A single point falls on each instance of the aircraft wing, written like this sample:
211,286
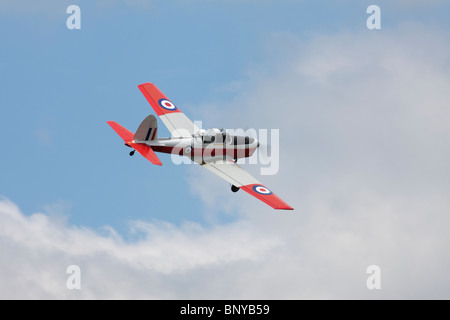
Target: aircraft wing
176,121
234,174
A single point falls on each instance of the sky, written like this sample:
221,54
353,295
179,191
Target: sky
364,150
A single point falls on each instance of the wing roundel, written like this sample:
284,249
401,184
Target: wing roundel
237,176
176,121
159,102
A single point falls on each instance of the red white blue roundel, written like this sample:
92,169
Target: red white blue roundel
166,104
261,190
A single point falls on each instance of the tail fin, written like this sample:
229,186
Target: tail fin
147,130
142,148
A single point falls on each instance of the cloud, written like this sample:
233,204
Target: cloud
38,249
363,121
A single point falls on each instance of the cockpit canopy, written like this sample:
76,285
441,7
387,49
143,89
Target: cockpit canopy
221,136
213,136
240,140
209,139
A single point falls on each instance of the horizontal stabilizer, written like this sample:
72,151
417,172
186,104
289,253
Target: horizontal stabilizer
127,136
147,152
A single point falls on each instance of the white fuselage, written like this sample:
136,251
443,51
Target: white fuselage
204,148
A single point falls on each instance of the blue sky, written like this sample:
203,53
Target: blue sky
214,59
60,86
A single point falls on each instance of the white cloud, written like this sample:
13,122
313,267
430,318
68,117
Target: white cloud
37,250
364,130
363,120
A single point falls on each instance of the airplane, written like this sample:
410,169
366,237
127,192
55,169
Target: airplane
213,149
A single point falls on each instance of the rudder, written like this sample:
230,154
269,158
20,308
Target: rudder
147,130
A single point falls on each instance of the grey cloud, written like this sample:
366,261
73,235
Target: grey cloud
363,121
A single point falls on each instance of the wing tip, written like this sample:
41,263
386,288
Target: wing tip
264,194
144,84
287,208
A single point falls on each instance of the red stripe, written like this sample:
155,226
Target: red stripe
208,152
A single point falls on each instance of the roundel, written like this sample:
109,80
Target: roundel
261,190
187,150
166,104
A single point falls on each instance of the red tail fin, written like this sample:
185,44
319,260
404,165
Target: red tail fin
127,137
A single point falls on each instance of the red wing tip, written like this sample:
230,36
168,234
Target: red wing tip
143,84
285,208
264,194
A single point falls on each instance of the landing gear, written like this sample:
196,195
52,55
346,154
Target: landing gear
234,188
132,153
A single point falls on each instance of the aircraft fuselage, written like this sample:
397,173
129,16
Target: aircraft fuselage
202,148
